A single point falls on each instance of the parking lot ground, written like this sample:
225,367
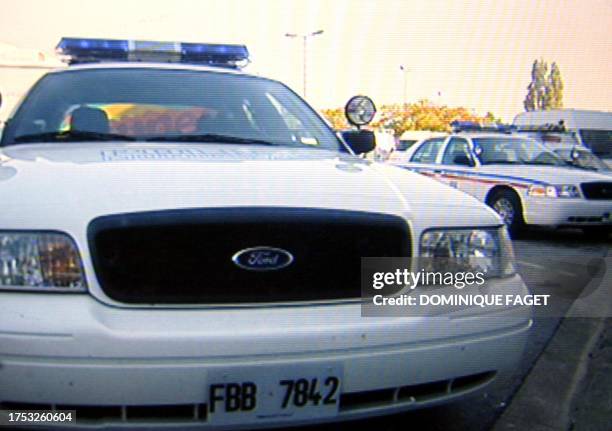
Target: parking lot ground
592,406
570,385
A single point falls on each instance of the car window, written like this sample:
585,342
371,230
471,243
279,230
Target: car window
599,141
457,147
428,151
515,151
404,144
585,159
149,104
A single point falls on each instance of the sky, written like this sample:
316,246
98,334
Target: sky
472,53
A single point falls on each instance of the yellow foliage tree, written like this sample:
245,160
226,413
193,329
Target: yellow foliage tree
422,115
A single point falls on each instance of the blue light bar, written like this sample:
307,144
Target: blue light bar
473,126
79,51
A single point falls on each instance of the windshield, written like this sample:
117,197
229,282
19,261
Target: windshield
585,159
515,151
404,144
599,141
166,105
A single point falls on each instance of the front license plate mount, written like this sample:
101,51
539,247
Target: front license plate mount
252,394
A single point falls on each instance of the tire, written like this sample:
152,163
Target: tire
599,233
508,205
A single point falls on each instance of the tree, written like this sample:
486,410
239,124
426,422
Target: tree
555,88
336,118
540,84
422,115
545,91
531,100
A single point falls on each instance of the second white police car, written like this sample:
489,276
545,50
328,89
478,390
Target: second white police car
182,241
522,180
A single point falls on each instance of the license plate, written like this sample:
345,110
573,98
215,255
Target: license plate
269,394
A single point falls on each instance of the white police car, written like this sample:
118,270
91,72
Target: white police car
180,247
521,179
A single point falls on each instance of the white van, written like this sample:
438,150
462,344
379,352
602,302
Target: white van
592,129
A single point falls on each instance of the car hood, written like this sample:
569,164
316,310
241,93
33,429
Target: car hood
51,185
545,174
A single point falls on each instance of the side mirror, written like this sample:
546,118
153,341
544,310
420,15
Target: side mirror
462,159
360,141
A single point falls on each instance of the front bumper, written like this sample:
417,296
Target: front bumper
72,352
567,212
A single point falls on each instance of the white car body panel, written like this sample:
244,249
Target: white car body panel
573,119
75,357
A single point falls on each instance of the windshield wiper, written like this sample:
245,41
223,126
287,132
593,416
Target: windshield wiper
72,136
208,137
579,166
541,163
500,162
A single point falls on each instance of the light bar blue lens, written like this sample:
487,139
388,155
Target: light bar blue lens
93,50
72,45
472,125
231,52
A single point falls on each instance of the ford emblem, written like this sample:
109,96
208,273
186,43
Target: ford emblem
262,258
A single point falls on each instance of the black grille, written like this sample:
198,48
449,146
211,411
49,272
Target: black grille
185,256
600,190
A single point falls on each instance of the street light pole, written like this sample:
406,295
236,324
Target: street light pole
405,71
304,43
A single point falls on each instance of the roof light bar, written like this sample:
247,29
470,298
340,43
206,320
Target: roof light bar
473,126
78,50
548,127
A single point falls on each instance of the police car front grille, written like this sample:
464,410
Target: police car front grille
597,190
185,256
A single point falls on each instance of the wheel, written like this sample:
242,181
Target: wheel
600,233
507,204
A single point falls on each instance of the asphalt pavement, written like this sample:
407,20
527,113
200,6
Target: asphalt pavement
570,385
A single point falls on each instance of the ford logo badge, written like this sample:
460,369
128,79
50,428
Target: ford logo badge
262,258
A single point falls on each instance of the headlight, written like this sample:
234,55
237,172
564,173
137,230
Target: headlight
40,261
485,250
557,191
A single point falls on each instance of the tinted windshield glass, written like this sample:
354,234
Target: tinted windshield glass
599,141
404,144
585,159
515,151
166,104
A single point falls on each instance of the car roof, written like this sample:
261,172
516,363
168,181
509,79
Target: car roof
473,135
147,65
573,118
420,134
